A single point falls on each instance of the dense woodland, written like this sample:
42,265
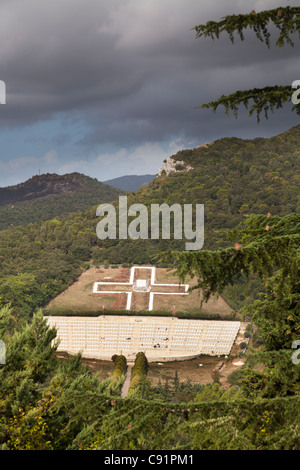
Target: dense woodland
46,196
47,403
232,178
250,191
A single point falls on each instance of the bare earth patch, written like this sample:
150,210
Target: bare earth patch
192,370
186,370
79,296
103,369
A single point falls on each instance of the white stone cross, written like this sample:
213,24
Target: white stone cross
141,286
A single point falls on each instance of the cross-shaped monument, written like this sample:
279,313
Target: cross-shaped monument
140,286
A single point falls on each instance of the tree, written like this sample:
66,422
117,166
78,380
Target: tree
267,246
22,291
287,22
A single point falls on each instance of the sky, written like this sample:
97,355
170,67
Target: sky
110,87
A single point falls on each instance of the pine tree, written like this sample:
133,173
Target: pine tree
267,246
166,390
256,100
176,381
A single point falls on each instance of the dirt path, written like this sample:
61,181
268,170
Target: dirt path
126,383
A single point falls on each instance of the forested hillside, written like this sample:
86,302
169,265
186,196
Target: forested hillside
109,83
46,196
40,260
49,403
232,177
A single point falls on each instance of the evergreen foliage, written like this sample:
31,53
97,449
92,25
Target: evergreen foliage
232,177
267,246
286,20
49,403
44,197
263,100
138,383
120,367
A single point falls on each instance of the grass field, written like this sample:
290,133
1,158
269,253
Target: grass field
80,297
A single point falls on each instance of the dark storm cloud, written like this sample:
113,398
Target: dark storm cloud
132,70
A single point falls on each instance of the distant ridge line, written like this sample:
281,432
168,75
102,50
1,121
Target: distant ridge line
130,182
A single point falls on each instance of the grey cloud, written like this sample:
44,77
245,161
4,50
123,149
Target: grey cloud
131,69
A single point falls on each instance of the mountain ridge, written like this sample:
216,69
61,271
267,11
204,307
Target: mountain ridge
48,183
130,182
232,177
49,195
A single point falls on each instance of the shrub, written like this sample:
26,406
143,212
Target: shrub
120,367
257,339
179,167
138,373
235,377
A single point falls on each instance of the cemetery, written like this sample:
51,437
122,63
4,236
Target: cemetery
162,338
